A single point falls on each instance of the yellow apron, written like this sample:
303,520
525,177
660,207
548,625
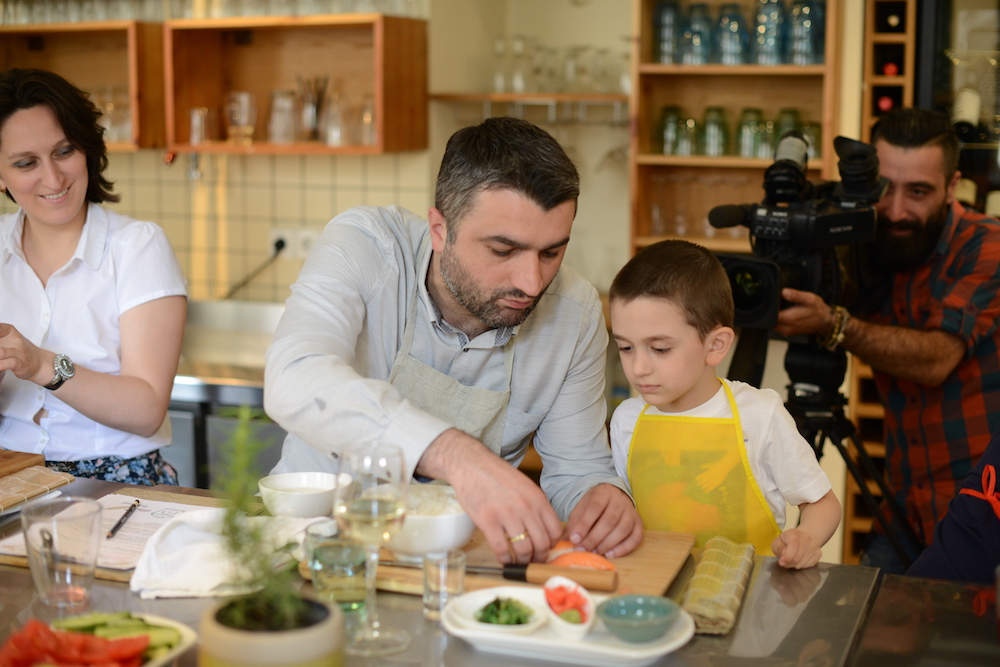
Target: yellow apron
686,476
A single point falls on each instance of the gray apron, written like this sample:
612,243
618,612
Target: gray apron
481,413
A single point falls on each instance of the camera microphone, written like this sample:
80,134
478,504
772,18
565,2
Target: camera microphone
730,215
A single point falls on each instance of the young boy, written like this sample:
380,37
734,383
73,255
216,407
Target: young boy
704,455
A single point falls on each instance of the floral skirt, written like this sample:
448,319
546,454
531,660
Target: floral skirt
148,469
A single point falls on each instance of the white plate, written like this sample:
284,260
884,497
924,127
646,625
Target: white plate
598,649
188,638
464,608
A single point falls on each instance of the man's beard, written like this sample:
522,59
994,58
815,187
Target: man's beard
484,307
900,254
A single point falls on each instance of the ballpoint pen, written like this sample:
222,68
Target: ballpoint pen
121,522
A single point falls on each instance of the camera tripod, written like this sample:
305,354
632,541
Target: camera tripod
816,404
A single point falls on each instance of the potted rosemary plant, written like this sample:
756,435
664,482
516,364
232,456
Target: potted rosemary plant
273,624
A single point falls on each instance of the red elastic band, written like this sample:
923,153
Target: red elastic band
988,493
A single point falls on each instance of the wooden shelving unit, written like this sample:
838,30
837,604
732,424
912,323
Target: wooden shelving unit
890,51
685,189
866,412
890,37
362,54
95,55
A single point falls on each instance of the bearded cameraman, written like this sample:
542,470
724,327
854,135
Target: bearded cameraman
930,334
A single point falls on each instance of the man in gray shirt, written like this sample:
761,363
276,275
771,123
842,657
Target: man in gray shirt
462,339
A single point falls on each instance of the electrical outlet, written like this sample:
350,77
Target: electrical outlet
306,239
286,235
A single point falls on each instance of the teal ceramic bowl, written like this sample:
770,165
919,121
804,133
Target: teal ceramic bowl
638,618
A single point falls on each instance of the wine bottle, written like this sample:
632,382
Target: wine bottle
965,114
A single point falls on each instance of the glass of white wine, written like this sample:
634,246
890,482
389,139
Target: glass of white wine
370,509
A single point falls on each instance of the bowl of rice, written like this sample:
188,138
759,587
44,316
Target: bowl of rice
434,522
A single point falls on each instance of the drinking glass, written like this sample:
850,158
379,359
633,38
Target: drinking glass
241,114
370,509
337,565
62,537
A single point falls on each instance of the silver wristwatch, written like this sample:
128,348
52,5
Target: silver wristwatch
64,370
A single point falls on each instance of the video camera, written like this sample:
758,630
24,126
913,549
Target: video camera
802,232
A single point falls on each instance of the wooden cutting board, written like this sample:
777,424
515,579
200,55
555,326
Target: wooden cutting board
11,462
649,569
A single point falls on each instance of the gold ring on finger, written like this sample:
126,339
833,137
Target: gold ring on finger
517,538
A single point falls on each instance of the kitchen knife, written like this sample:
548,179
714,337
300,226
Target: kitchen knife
538,573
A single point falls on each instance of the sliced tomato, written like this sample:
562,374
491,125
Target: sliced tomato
561,599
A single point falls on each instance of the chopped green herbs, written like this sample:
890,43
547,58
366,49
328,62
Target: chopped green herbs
504,611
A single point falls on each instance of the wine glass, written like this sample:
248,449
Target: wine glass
370,509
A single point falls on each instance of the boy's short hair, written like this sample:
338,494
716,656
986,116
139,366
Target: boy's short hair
685,273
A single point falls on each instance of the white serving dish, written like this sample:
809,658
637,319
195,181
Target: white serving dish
563,628
188,639
599,648
464,608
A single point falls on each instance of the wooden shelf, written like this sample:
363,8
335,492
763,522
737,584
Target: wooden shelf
97,55
703,161
532,98
684,189
362,54
732,70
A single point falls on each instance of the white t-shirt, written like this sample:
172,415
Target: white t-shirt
782,462
119,263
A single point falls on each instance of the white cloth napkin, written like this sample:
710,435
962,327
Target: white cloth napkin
186,557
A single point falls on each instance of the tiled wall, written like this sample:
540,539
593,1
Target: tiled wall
220,225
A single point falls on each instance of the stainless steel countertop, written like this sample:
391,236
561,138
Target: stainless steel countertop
809,617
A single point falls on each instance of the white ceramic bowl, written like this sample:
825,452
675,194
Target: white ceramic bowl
302,494
431,533
562,627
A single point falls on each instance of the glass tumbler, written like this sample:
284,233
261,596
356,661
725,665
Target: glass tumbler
732,38
241,116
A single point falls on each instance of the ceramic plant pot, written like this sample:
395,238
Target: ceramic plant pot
318,645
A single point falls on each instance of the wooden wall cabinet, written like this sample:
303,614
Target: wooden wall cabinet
890,51
95,56
362,54
665,189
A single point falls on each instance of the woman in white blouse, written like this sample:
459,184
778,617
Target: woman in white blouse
92,303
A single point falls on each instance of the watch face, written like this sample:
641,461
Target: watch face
64,366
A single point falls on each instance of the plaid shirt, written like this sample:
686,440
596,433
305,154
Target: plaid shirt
935,435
